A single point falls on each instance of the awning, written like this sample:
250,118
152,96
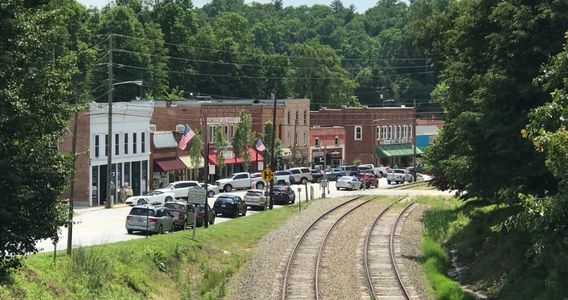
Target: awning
190,164
169,164
239,160
164,139
396,150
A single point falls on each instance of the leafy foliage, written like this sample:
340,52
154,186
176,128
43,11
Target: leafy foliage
243,138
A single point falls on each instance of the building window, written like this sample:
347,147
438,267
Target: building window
106,144
336,141
305,117
405,131
116,143
399,131
289,139
289,123
297,117
378,132
305,139
126,143
410,131
143,141
384,132
317,142
97,145
226,132
358,133
390,132
395,132
134,145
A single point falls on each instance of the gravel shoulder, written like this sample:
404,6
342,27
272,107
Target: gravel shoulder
412,254
260,278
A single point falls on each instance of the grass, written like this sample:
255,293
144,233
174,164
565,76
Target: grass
170,266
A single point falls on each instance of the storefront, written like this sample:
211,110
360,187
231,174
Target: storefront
400,155
133,174
330,157
167,170
236,164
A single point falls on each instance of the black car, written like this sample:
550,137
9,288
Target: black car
201,213
230,205
284,194
316,175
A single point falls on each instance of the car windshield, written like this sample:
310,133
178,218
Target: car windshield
175,206
254,193
345,178
364,167
141,211
282,173
336,170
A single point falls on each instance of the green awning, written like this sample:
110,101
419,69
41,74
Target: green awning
396,150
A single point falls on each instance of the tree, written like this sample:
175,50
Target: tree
220,146
243,138
196,153
486,92
35,86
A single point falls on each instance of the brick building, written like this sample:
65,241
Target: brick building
372,135
327,145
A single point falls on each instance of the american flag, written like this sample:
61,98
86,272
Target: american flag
260,146
188,134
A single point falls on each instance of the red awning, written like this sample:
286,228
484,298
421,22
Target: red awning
170,164
239,160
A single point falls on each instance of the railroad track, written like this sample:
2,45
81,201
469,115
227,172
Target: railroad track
302,268
384,280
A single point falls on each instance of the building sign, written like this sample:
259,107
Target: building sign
227,154
317,154
396,141
223,120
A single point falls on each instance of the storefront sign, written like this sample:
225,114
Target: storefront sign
223,120
227,154
317,153
396,141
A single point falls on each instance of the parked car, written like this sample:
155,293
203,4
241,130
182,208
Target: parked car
212,189
368,180
257,198
200,212
230,205
153,197
316,175
284,194
280,177
334,174
183,212
350,170
179,188
367,168
380,170
399,176
301,175
236,181
147,218
348,182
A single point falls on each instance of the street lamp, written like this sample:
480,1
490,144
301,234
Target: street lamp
108,203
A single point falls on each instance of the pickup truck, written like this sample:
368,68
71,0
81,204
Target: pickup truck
399,176
236,181
380,171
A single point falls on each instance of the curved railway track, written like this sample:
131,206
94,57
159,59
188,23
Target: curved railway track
300,269
384,280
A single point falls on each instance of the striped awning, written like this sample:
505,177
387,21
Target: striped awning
397,150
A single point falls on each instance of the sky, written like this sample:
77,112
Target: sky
360,5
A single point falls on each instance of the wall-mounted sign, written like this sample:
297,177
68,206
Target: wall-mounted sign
317,153
227,154
396,141
223,120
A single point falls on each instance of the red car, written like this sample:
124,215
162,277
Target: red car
368,180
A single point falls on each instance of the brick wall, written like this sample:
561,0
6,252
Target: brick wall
82,163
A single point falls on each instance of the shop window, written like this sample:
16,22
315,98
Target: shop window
97,145
358,133
143,142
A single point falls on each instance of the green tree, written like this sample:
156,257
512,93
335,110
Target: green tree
486,91
267,140
220,146
196,154
243,138
35,85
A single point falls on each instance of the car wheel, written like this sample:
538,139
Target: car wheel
388,181
172,228
210,194
212,221
161,229
228,188
130,231
260,185
368,186
303,180
168,199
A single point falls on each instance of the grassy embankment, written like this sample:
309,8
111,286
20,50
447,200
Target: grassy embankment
496,258
170,266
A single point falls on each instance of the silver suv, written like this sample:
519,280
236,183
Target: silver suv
146,218
301,175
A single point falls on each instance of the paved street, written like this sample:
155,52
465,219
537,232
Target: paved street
98,225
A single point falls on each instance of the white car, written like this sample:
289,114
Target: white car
179,188
236,181
348,182
280,178
212,189
154,197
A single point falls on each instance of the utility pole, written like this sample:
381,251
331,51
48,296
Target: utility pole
108,203
72,185
414,142
272,151
205,168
